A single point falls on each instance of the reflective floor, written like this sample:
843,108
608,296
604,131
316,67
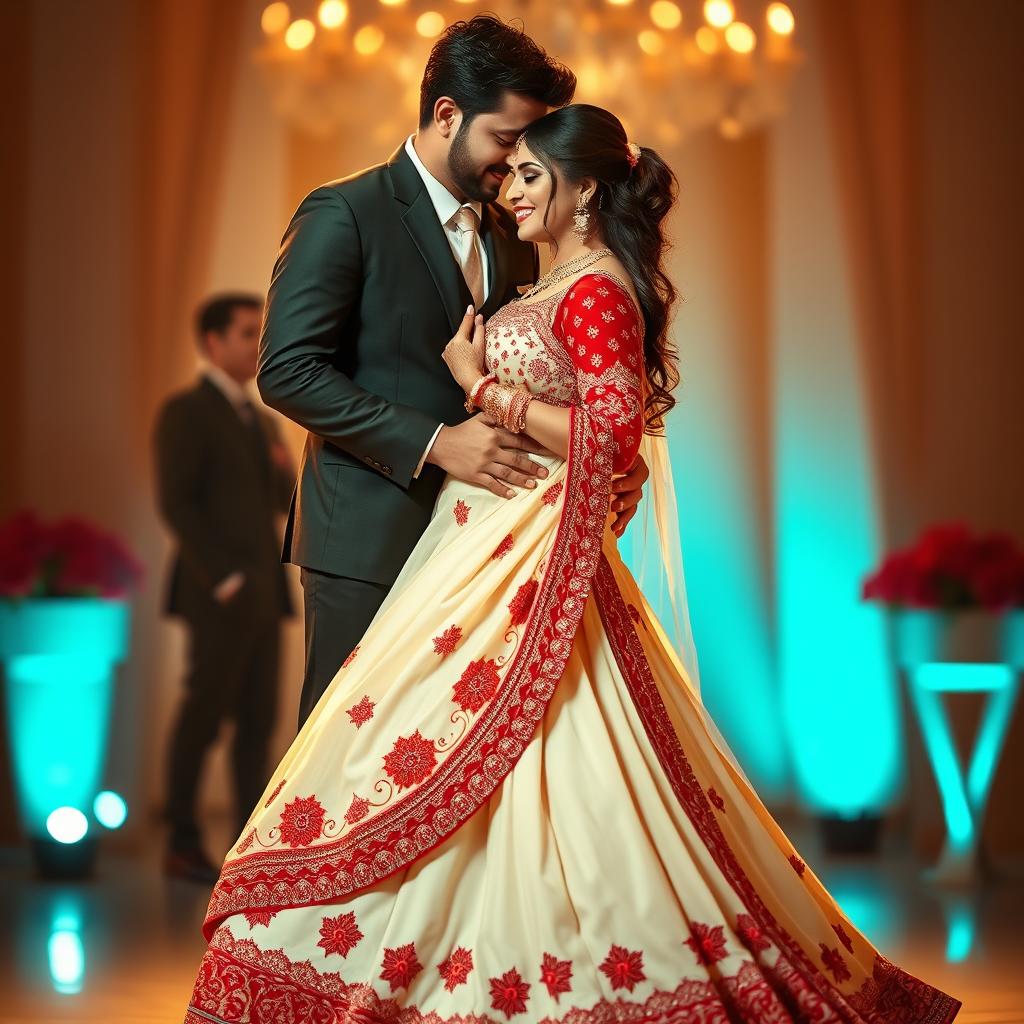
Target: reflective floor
124,948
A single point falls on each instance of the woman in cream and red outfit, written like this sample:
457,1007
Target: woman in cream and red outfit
510,803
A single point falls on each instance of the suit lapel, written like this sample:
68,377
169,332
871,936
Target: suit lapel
420,220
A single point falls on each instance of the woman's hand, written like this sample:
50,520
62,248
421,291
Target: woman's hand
464,354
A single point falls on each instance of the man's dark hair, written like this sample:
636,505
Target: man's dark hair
476,61
216,313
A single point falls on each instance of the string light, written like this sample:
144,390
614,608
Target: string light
666,14
333,13
430,24
274,18
300,34
740,37
368,40
718,13
780,19
651,42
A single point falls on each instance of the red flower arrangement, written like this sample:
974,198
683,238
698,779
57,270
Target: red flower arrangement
67,558
950,568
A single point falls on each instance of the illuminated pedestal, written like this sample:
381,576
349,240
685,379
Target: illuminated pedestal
958,652
59,657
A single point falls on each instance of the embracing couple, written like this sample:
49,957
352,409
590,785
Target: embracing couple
506,800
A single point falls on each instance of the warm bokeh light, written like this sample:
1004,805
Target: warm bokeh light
300,34
651,42
392,3
666,14
780,19
368,40
718,12
620,3
430,24
730,128
274,18
706,40
740,37
333,13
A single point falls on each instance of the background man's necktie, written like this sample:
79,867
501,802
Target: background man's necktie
468,224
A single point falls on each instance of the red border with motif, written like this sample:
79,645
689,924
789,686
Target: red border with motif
425,817
891,995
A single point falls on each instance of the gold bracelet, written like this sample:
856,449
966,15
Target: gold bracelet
473,398
506,404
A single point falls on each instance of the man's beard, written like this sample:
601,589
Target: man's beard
464,174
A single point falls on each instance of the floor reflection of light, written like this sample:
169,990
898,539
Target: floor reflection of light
866,907
960,925
66,953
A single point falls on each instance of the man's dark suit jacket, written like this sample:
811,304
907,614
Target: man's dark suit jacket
365,295
220,495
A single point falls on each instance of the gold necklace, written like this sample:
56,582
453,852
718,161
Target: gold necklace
565,270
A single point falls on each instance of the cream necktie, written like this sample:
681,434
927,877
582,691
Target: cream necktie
465,219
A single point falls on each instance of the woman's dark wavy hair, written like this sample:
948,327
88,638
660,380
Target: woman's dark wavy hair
476,61
584,141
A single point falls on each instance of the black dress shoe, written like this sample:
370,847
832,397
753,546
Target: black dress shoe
191,866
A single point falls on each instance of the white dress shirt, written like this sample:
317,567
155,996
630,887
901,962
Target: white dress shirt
446,206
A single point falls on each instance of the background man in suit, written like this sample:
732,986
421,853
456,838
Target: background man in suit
223,477
373,278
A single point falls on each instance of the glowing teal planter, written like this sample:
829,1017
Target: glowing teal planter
950,652
59,656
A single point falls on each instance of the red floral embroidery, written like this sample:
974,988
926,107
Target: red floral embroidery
273,796
461,512
362,712
447,641
707,942
833,960
339,934
551,493
623,967
633,613
477,685
716,799
753,938
843,937
520,605
455,970
400,966
357,810
411,760
504,547
348,661
798,864
555,974
246,842
509,993
302,821
263,917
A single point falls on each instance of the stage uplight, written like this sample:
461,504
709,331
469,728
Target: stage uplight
110,809
67,825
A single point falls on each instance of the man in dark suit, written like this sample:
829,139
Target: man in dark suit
374,277
223,477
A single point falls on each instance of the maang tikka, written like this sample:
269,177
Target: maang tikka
581,220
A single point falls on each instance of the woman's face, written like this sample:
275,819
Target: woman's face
528,195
